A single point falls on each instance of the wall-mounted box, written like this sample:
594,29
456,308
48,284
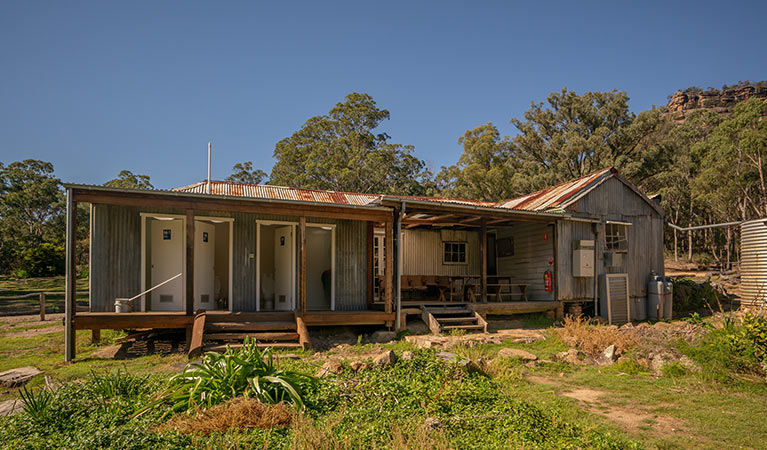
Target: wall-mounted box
583,258
613,259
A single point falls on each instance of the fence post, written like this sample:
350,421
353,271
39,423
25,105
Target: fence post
42,307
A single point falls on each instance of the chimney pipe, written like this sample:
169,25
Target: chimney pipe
209,151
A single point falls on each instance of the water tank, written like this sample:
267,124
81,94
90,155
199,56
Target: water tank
660,295
753,261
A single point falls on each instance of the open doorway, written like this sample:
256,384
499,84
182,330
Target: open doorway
320,265
276,265
164,257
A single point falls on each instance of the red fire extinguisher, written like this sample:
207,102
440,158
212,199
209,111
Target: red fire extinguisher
548,283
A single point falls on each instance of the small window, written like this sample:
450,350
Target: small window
454,253
616,238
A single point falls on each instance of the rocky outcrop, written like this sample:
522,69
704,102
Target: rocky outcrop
722,101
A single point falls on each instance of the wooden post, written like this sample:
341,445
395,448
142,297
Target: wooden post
70,302
95,335
398,265
42,307
389,260
189,262
371,264
483,257
302,264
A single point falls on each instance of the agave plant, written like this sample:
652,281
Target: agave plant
247,371
37,404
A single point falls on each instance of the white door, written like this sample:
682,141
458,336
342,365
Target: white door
284,268
204,269
167,248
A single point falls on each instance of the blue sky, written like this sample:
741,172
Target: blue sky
96,87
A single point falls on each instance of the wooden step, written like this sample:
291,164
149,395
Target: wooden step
463,327
456,319
260,337
250,326
222,348
450,311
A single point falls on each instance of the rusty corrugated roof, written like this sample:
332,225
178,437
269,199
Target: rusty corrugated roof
561,195
550,199
233,189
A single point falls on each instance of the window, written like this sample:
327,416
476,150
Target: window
455,253
616,238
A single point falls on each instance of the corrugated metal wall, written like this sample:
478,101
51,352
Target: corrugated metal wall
753,264
422,252
116,257
533,247
613,200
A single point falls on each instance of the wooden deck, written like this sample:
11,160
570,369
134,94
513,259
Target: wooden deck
169,320
492,308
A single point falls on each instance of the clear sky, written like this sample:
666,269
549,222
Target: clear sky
96,87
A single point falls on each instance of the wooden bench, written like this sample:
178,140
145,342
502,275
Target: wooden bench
422,283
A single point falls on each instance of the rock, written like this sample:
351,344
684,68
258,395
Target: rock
453,358
330,367
516,353
386,358
11,407
426,341
382,336
575,356
19,376
359,365
407,355
432,423
608,356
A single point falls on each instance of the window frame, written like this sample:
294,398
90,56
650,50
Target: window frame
455,251
614,241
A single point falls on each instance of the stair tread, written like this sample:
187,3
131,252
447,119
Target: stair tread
457,319
464,327
220,348
251,326
277,336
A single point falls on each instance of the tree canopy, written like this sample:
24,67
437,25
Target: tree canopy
344,151
129,180
245,173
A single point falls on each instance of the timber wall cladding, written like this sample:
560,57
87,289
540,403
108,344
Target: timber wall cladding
533,247
422,252
116,256
613,200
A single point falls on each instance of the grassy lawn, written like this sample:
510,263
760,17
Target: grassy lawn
502,404
11,287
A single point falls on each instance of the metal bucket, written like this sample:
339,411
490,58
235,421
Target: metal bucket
123,305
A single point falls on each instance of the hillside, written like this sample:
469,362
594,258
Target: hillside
718,100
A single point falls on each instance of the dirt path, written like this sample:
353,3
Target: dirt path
634,419
8,325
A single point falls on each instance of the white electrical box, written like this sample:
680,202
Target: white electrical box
583,258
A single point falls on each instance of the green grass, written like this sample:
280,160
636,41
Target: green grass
10,287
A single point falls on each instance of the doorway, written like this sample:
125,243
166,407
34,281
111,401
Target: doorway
212,250
320,267
166,252
275,266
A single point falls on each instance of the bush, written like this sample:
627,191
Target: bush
591,337
691,296
45,260
247,371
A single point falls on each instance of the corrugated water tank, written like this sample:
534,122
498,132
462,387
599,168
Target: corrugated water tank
753,262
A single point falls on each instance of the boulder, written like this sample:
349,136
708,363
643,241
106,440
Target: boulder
359,365
330,367
382,336
19,376
608,356
516,353
575,356
386,358
407,355
453,359
432,423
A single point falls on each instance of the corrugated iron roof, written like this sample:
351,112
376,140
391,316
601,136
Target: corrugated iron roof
233,189
561,195
550,199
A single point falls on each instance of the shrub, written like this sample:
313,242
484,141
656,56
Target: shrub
247,371
45,260
691,296
591,337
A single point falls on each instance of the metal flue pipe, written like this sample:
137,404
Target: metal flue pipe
207,189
